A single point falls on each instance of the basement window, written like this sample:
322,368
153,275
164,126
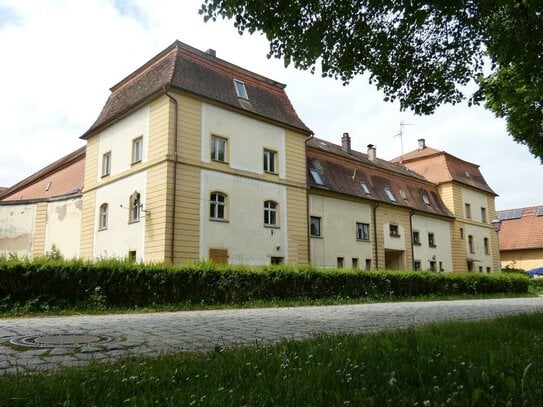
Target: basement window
240,89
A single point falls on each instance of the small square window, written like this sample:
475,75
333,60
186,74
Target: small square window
270,158
240,89
315,226
132,256
354,263
218,148
137,150
340,262
394,231
106,164
362,231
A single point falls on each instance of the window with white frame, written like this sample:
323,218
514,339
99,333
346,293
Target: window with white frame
137,149
106,164
103,218
316,176
315,226
365,188
270,213
270,161
389,194
217,206
218,148
241,91
134,207
362,231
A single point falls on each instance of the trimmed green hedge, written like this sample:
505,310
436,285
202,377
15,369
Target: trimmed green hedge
46,283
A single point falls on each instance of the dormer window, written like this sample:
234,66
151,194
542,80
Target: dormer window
425,199
403,194
316,177
365,188
390,195
240,89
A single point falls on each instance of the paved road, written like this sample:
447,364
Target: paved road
157,333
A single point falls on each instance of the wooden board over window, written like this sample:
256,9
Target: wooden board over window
218,256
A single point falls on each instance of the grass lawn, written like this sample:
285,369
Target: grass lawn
453,364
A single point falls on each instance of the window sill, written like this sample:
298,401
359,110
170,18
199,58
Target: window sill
272,226
133,221
417,244
271,172
218,220
316,236
363,240
103,228
105,175
432,246
219,161
136,162
395,235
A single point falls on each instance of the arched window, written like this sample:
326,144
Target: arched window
135,207
217,205
104,210
270,213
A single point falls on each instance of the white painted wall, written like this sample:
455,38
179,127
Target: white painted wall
442,235
64,226
118,139
244,235
247,139
16,229
480,258
120,237
338,232
477,200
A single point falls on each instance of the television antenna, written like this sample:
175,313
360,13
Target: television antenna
400,135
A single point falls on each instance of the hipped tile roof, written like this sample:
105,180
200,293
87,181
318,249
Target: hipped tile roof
187,69
343,171
63,177
523,233
441,167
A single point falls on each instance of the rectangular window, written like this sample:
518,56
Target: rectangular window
488,269
441,266
432,265
270,161
480,269
137,150
403,194
467,210
355,263
104,209
362,231
431,240
470,244
106,164
276,260
315,226
218,148
316,177
219,256
132,256
340,262
394,230
217,206
368,264
462,233
134,207
416,238
417,265
241,91
270,213
483,215
425,199
487,246
365,188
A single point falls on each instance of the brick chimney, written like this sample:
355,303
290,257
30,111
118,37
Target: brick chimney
346,143
422,144
372,152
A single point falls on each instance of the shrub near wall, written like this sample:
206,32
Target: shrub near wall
64,284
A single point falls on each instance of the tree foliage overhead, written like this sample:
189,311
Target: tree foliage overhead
419,53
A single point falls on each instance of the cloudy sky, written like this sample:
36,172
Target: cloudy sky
60,57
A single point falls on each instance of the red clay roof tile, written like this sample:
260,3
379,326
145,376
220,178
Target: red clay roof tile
523,233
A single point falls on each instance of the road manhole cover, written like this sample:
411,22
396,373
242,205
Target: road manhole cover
60,340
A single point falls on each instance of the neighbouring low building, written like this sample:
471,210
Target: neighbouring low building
521,237
193,158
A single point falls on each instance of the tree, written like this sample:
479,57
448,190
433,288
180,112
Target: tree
420,53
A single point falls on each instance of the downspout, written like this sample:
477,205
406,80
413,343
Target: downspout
172,243
307,200
375,235
411,213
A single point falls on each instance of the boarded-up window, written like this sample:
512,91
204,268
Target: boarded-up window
218,256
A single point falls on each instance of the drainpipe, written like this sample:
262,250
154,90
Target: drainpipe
375,235
172,244
307,200
411,213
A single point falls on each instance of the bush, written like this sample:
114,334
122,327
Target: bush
52,283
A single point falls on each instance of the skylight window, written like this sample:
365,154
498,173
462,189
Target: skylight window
365,188
467,174
390,195
316,177
403,194
240,89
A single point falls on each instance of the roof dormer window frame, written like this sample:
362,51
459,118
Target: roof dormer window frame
389,194
316,176
365,188
241,90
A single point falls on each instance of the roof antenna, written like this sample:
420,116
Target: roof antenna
400,135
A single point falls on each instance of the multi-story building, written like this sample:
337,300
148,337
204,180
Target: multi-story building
193,158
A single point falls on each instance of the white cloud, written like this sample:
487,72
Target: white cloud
60,57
